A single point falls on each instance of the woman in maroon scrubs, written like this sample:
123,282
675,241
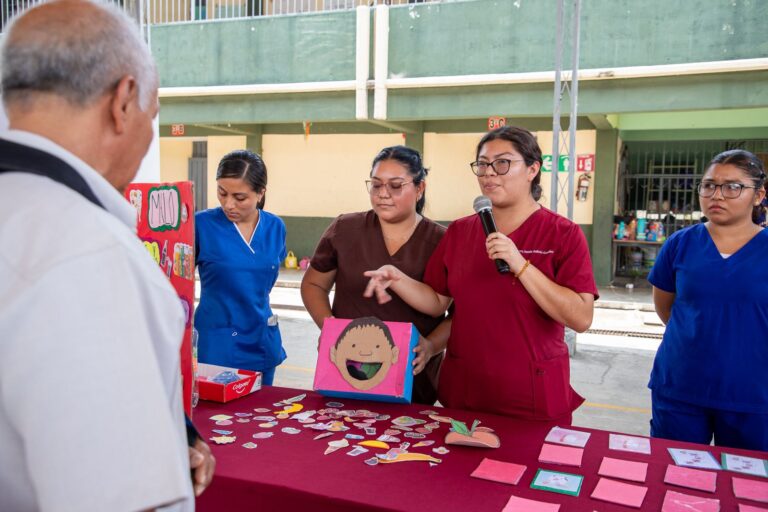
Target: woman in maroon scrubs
506,353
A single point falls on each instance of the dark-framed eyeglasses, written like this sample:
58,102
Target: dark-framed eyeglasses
394,188
729,190
500,166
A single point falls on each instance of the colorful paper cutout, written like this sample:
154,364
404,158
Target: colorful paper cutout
498,471
750,489
479,437
679,502
223,439
409,457
623,469
288,401
555,481
516,504
374,444
613,491
289,409
336,445
565,455
751,508
691,478
357,450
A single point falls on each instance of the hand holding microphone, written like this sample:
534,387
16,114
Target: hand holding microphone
482,205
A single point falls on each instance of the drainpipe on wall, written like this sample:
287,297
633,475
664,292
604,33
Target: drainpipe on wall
362,61
381,69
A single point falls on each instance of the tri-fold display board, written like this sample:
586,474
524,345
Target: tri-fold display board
165,215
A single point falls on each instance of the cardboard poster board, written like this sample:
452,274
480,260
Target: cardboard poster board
166,225
367,359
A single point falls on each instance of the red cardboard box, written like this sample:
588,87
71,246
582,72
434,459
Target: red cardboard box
208,390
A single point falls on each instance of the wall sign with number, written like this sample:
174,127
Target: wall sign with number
496,122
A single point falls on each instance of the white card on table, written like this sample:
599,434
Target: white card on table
746,465
693,458
629,443
567,436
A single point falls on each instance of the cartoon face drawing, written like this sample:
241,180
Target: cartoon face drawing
364,353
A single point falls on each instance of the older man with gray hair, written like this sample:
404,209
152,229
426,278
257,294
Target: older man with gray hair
90,329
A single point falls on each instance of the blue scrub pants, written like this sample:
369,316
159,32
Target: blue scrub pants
267,376
681,421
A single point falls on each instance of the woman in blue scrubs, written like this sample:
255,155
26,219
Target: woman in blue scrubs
238,251
710,375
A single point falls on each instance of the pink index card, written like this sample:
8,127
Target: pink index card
691,478
750,489
516,504
679,502
497,471
566,455
619,492
750,508
624,469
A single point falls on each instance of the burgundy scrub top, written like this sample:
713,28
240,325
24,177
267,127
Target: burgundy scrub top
505,354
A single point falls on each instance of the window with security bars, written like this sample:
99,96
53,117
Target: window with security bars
659,181
660,178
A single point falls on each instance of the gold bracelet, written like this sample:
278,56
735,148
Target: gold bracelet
525,266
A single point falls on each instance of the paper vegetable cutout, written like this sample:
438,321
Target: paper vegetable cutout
480,437
366,358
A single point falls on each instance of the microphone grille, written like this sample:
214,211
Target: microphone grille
481,203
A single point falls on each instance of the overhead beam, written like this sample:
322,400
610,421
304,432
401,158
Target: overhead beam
600,121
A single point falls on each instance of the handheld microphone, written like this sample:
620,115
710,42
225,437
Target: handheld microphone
482,205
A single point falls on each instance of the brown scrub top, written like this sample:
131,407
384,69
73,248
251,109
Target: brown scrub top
354,243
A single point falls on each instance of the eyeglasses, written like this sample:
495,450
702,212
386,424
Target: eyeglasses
729,190
394,188
500,166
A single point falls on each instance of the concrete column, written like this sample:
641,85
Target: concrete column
606,168
253,142
415,140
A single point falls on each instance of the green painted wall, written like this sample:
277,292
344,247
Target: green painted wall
303,233
502,36
669,94
458,38
273,49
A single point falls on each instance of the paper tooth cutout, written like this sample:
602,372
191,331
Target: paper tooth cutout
291,400
336,445
480,437
223,439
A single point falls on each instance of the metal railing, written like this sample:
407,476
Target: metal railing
10,8
158,12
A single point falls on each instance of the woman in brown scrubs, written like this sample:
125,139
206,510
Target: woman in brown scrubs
393,232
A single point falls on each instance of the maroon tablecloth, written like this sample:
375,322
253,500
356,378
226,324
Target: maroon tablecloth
290,472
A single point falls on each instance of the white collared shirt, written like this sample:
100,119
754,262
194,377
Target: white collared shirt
90,406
